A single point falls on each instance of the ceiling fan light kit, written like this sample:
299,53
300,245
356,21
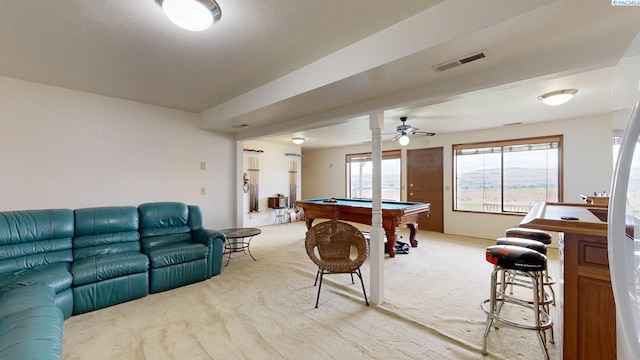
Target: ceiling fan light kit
403,140
192,15
403,131
558,97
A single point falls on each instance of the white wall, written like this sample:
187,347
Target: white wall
69,149
324,171
587,153
273,178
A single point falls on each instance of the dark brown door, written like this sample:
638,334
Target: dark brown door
425,184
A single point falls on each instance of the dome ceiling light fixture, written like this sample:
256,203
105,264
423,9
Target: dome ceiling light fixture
558,97
192,15
298,140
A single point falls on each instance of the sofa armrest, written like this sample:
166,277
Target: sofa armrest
215,242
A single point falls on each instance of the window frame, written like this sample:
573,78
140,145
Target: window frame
501,144
368,156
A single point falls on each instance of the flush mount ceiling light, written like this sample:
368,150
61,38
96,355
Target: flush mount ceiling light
297,140
403,140
192,15
557,97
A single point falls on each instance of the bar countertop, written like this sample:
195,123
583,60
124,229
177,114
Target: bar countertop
568,217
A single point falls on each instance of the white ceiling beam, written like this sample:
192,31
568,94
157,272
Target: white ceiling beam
444,22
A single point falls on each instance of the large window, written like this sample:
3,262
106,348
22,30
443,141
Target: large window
507,176
359,178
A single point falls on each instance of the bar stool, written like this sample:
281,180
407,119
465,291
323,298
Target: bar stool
525,262
543,237
531,234
511,278
512,275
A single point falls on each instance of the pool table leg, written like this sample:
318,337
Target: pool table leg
412,234
391,242
391,238
309,223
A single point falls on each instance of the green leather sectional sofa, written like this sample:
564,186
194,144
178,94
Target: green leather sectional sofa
58,263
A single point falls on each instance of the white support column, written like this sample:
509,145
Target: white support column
239,221
376,248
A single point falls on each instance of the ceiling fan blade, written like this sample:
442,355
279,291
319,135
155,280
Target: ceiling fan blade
396,137
423,133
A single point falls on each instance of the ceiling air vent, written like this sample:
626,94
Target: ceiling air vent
513,123
455,63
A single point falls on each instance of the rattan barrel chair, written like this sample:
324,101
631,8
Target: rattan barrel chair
337,248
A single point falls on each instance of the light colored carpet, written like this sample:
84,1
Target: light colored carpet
265,310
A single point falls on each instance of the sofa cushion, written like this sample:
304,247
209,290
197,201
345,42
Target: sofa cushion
82,252
34,225
26,297
105,230
34,333
33,254
162,218
56,276
153,241
176,253
106,220
99,268
33,238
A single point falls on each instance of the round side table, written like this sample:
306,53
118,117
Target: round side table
239,239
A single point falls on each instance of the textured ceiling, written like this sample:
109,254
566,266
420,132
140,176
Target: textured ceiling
129,49
289,67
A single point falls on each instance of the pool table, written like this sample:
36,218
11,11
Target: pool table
394,214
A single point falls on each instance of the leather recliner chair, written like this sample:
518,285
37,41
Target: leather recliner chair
180,250
108,266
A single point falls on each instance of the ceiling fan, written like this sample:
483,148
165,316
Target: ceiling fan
403,131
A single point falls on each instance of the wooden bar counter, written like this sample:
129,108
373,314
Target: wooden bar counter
585,299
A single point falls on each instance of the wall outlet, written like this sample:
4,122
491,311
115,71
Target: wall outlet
203,166
203,191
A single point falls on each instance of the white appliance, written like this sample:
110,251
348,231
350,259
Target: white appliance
624,204
624,240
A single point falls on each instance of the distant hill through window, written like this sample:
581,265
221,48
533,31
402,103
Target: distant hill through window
507,176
